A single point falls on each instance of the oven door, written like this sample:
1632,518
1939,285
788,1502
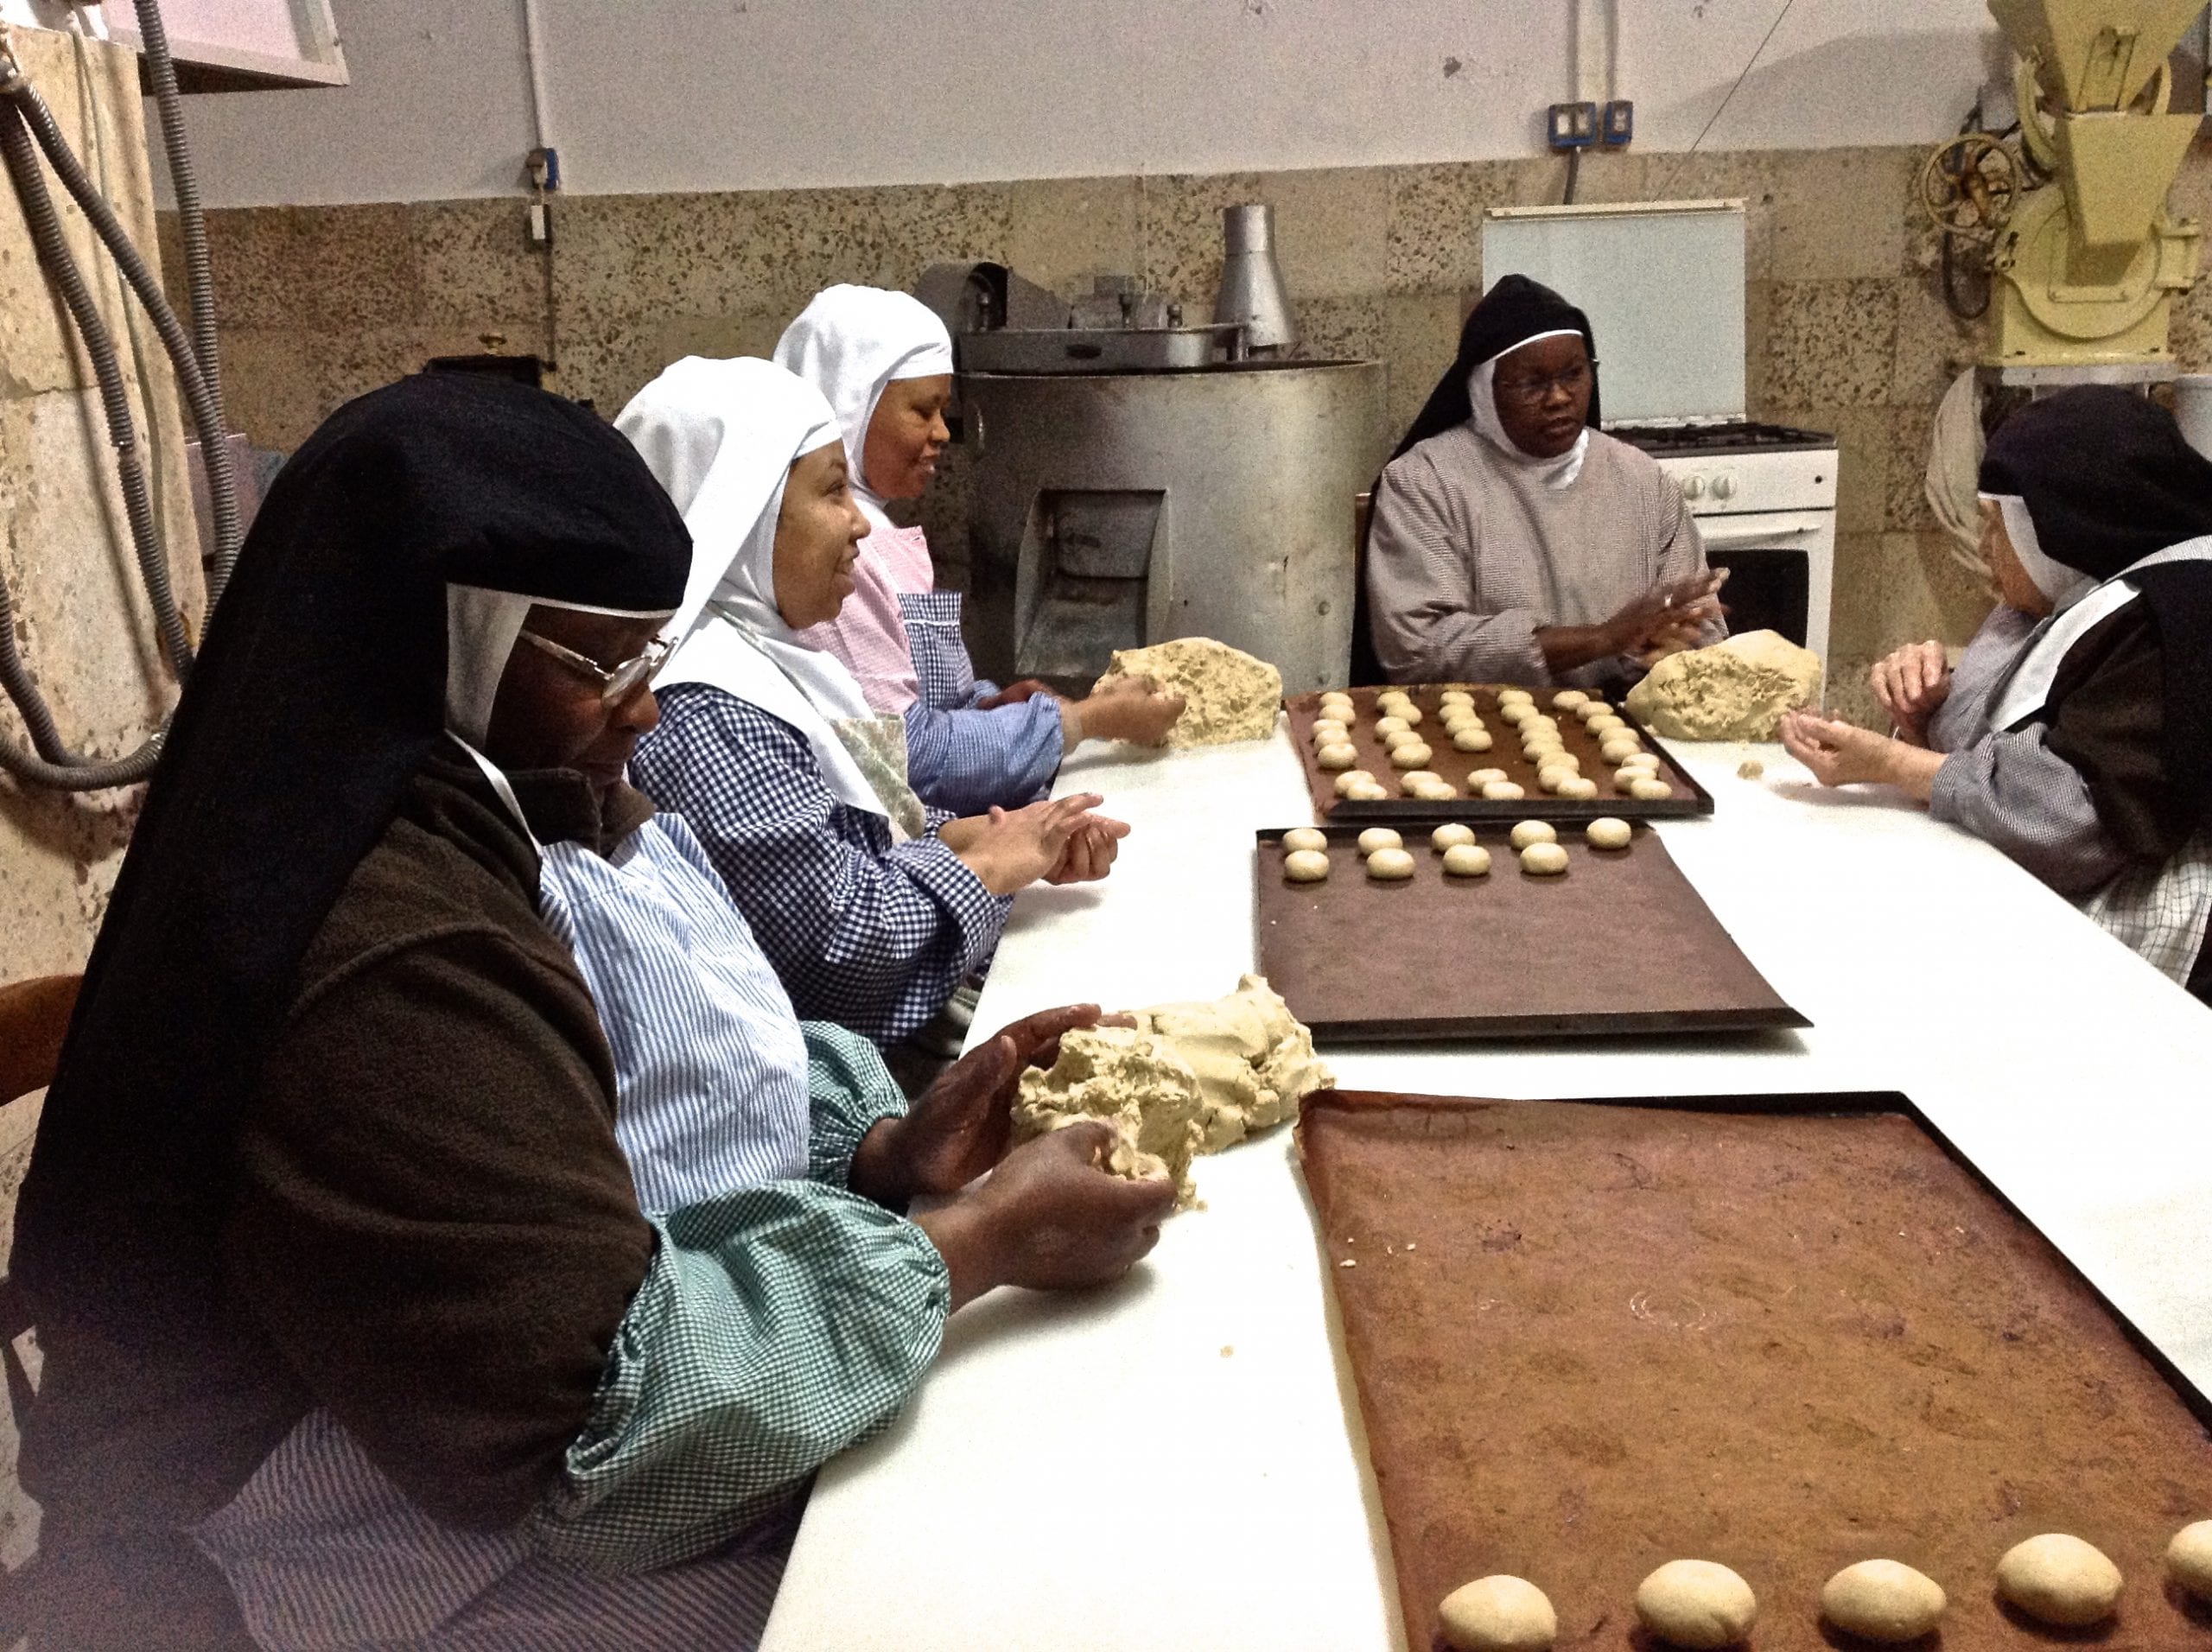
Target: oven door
1772,557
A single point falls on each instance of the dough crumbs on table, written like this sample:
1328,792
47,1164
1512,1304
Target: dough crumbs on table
1227,1349
1736,689
1227,694
1750,769
1186,1079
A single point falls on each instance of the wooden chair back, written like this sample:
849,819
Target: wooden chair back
34,1016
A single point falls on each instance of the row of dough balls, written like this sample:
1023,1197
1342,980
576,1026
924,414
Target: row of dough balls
2054,1579
1305,859
1558,771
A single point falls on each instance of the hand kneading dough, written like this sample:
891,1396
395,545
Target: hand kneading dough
1351,779
1379,837
2188,1557
1445,836
1305,837
1736,689
1227,695
1466,860
1471,738
1543,860
1699,1603
2059,1580
1502,791
1411,755
1882,1601
1390,865
1605,834
1305,866
1533,831
1341,755
1499,1614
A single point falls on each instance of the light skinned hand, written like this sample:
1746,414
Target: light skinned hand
1838,753
1091,850
1141,714
1014,694
1014,848
1911,683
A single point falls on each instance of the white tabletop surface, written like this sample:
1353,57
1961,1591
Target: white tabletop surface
1174,1463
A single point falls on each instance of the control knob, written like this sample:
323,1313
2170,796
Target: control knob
1723,487
1692,485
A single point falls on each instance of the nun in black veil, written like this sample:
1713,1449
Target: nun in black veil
1512,541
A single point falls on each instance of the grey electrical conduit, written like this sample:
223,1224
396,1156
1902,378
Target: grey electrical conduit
53,765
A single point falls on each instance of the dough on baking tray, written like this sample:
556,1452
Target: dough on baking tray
1367,791
1393,724
1471,737
1502,791
1305,866
2056,1578
1882,1601
1507,695
1543,860
1188,1078
1466,860
1606,833
1341,755
1379,837
1351,780
2189,1558
1327,731
1484,777
1227,694
1569,700
1579,790
1390,865
1604,723
1305,837
1445,836
1648,761
1497,1614
1644,789
1410,712
1736,689
1533,831
1696,1603
1552,776
1619,748
1413,754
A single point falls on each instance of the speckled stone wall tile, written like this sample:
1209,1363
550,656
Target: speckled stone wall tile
1420,336
1179,222
1837,215
362,270
924,225
1904,508
1433,225
1331,230
272,385
1933,345
1063,232
1858,625
1339,329
1607,175
1829,343
1752,175
476,263
1866,440
1759,329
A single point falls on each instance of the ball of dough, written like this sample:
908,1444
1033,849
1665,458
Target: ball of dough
1604,723
1699,1604
1502,791
1445,836
1435,791
1305,837
1543,860
1413,754
1409,711
2188,1557
1543,720
1367,791
1458,717
1569,700
1644,789
1580,790
1305,866
1552,776
1882,1601
1353,779
1540,751
1604,834
1391,725
1390,865
1466,860
1617,748
1471,737
1625,776
1394,702
1341,755
1750,769
1455,697
1506,696
2056,1578
1515,711
1648,761
1533,831
1499,1614
1343,710
1595,705
1379,837
1484,777
1327,731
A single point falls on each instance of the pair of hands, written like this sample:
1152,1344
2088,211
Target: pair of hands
1128,707
1668,617
1062,840
1049,1217
1911,682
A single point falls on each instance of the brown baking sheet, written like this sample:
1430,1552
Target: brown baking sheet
1620,943
1689,798
1588,1339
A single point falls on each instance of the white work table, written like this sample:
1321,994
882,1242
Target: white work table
1173,1463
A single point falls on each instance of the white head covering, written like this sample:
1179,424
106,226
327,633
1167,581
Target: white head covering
721,437
2054,579
1560,470
850,343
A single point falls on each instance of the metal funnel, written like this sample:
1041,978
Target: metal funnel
1252,293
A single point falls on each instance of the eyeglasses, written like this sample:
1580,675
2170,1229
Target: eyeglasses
1534,390
617,683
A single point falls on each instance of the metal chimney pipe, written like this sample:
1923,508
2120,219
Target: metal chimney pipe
1252,293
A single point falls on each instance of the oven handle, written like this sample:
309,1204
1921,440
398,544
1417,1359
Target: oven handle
1720,533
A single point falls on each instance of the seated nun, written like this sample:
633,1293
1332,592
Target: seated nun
1511,540
2076,732
874,910
884,361
355,1332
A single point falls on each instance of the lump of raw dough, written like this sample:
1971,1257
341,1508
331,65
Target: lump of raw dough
1305,837
1351,779
1618,748
1605,834
1466,860
1386,726
1736,689
1533,831
2056,1578
2189,1558
1471,737
1502,791
1379,837
1569,700
1580,790
1543,860
1510,696
1413,755
1445,836
1188,1078
1227,694
1646,789
1698,1604
1367,791
1390,865
1305,866
1882,1601
1328,730
1499,1614
1341,755
1750,769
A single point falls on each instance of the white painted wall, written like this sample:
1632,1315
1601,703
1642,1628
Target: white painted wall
651,95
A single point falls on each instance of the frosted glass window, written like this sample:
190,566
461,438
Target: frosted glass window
1663,287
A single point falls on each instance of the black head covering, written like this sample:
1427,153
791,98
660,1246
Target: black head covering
319,693
1511,312
2107,480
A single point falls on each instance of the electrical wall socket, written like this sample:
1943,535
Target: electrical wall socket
1574,125
1618,125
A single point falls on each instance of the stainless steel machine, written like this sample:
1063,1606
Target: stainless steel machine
1138,478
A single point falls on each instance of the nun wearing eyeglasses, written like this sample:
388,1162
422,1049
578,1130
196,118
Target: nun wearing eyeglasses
1511,540
2075,732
